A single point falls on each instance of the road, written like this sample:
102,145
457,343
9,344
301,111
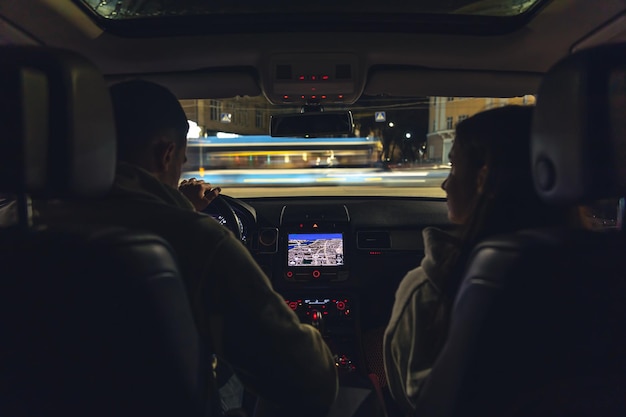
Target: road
327,181
361,191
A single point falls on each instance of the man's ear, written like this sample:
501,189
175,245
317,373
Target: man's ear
164,155
481,179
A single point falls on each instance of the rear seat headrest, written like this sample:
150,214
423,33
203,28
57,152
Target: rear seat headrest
58,137
579,129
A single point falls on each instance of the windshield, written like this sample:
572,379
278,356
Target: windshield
399,147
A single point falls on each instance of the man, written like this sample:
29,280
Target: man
285,362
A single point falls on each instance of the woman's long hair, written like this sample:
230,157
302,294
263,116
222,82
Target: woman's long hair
500,140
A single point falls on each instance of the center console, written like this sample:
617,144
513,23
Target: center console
314,276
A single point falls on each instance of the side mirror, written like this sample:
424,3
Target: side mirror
312,124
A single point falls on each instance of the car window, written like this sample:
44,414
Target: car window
399,147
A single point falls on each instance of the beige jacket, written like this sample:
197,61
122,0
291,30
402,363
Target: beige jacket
417,326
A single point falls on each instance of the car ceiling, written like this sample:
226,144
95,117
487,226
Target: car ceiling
403,63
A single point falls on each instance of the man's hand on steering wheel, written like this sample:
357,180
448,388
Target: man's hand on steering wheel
200,193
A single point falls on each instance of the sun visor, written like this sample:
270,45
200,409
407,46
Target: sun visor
414,82
214,83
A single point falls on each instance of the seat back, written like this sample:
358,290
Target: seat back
95,320
538,325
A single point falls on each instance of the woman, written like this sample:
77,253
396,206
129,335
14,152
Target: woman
489,191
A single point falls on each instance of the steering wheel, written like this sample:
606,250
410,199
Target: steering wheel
223,208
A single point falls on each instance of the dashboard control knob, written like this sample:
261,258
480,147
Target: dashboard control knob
316,320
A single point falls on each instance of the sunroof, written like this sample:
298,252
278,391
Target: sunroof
149,18
134,9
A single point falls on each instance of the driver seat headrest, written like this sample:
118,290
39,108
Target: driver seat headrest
58,136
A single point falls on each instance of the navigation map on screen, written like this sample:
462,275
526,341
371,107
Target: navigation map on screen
315,249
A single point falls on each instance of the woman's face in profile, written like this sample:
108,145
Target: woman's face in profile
460,186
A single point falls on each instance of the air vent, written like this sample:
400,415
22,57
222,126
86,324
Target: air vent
268,240
373,240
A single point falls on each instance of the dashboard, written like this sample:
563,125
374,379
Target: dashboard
337,262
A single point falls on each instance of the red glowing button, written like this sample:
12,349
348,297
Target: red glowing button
316,274
289,274
293,305
341,305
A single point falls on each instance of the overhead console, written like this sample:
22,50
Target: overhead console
313,242
312,78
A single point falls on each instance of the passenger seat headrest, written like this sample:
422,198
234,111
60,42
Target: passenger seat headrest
578,145
58,132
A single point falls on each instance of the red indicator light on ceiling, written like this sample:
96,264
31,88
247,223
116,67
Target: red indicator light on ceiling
312,88
325,77
301,225
323,97
313,77
340,96
302,97
301,78
313,96
375,253
285,97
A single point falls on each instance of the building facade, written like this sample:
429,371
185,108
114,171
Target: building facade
446,112
244,115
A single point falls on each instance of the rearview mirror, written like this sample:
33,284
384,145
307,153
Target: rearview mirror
312,124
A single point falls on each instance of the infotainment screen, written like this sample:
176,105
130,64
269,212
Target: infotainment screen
315,249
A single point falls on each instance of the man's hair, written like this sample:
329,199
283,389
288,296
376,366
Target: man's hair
143,110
